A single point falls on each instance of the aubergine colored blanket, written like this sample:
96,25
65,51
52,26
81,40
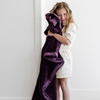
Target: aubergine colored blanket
51,61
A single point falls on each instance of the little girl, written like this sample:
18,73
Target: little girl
67,38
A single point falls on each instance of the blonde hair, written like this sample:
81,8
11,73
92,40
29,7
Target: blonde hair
60,5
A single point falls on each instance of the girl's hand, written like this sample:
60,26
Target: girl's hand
50,33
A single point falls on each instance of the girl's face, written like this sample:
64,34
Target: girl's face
62,14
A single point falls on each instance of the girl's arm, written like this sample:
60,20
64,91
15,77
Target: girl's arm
60,38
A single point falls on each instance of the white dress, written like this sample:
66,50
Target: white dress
66,68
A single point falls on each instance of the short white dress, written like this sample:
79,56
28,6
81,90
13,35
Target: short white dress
66,68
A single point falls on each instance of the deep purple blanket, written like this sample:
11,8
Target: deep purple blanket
51,61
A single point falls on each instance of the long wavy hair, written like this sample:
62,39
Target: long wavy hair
60,5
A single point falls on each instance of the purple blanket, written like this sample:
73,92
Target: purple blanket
51,61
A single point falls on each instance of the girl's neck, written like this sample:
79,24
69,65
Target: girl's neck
64,24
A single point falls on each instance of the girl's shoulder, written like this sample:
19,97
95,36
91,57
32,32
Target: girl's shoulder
71,26
72,29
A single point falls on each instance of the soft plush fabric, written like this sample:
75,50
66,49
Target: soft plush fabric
51,61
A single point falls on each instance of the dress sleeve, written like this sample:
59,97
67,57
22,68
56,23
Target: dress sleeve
71,32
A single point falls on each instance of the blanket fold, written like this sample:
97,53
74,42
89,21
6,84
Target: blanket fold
51,61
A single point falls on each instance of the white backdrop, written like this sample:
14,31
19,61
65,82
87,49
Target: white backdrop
17,47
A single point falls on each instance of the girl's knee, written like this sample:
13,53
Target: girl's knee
64,82
58,82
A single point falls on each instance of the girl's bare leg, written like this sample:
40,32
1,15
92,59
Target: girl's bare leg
65,89
58,86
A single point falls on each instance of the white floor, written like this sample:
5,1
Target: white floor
83,94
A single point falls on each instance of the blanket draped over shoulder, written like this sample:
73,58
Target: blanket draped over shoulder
51,61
